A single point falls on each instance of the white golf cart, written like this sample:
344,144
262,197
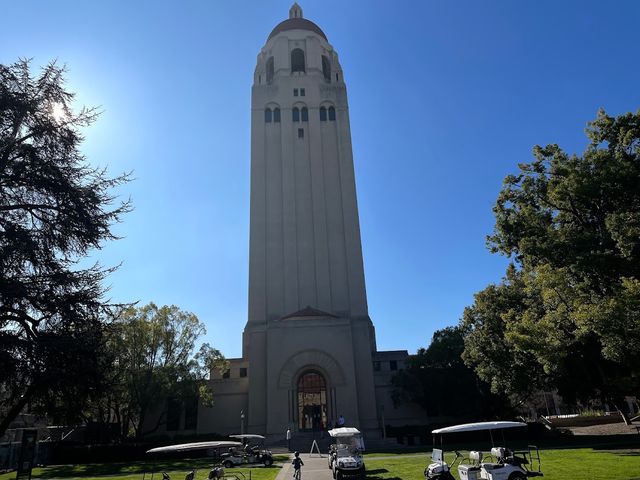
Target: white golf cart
252,451
213,450
505,464
345,459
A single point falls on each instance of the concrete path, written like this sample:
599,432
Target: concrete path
315,468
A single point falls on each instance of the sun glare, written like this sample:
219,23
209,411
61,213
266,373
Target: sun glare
57,111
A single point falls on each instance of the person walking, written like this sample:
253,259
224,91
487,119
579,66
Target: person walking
297,466
288,439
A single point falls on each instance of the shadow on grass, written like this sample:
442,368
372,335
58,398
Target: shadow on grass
100,469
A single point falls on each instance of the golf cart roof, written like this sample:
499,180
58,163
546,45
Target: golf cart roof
247,435
472,427
184,447
344,432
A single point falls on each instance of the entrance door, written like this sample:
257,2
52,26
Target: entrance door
312,402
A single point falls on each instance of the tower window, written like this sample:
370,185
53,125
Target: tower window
332,114
270,70
267,115
301,133
337,78
323,114
305,114
259,78
226,374
243,372
295,92
302,92
276,115
326,69
297,60
295,114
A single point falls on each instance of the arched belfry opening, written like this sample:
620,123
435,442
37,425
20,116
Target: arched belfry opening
297,60
313,413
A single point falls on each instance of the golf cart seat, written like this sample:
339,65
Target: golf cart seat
471,471
475,457
500,453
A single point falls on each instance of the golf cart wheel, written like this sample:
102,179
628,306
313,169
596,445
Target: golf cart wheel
517,476
339,475
268,461
228,464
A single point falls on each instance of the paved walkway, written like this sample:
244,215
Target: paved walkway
315,468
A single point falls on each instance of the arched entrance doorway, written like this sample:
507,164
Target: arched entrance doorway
312,401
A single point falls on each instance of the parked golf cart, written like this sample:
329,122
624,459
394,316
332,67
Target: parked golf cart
345,459
252,451
507,464
214,451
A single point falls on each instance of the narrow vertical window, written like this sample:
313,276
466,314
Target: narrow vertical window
301,133
259,78
297,60
267,115
295,114
326,69
305,114
323,114
302,92
270,70
332,114
276,115
337,78
295,92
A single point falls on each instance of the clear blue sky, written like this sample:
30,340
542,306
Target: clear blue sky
446,97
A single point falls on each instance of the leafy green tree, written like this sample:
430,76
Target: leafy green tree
437,379
155,361
571,225
54,209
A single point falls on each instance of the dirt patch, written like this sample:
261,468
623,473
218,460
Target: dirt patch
609,429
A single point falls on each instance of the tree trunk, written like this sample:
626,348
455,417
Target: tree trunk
15,410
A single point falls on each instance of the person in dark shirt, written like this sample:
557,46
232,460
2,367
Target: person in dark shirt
297,465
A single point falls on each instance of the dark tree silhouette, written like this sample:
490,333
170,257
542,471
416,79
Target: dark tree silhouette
54,209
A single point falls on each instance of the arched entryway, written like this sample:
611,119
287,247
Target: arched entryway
312,401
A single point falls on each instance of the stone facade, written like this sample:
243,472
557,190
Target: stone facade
309,349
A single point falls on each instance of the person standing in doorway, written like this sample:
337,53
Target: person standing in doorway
341,421
288,439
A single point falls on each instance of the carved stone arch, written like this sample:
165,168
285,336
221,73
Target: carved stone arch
308,360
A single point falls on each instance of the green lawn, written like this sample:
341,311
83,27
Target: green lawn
621,463
557,464
137,470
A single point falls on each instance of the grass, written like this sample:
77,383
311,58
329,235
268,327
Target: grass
615,462
558,464
137,470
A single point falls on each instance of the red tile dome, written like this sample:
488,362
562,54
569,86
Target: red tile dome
296,24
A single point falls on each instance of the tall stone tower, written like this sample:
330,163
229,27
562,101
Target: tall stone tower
307,299
305,236
309,352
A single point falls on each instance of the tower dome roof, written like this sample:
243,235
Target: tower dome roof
296,22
